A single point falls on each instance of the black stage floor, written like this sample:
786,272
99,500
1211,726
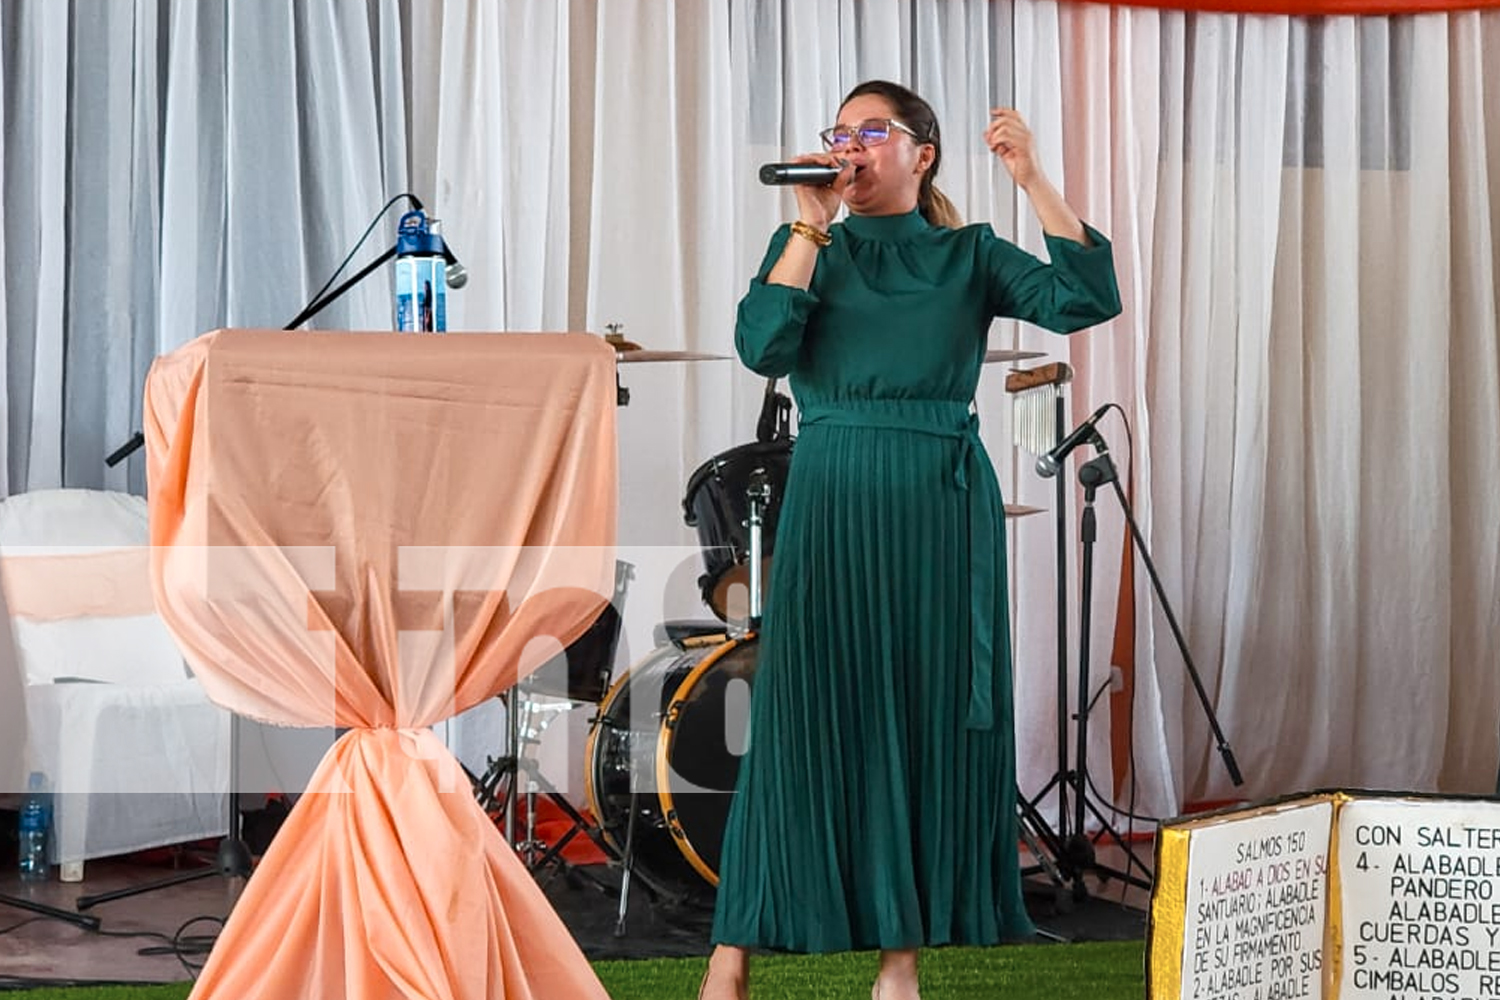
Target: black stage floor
657,926
39,949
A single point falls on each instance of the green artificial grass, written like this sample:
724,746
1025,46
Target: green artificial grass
1112,970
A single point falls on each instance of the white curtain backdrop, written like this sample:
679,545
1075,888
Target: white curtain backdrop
1305,215
171,166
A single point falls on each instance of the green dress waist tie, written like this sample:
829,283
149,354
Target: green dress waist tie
957,422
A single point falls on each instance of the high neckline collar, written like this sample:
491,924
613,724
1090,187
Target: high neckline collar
887,227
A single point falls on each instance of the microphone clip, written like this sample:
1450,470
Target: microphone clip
1099,470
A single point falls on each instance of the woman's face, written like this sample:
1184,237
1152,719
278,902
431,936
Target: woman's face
887,176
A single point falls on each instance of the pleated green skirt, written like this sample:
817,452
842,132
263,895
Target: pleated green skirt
868,812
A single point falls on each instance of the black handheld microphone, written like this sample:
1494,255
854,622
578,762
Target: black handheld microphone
816,174
1084,433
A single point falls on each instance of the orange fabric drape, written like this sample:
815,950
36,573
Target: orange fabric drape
1310,9
366,531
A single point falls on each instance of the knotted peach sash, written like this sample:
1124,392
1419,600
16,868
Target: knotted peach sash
377,531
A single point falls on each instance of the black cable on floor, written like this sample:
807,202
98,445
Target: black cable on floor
180,945
184,944
19,924
35,982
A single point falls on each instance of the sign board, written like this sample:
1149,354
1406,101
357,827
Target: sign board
1357,896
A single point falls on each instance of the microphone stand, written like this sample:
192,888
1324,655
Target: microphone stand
233,859
1046,843
1078,851
1105,469
85,921
318,304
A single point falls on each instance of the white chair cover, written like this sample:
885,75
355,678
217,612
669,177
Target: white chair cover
134,751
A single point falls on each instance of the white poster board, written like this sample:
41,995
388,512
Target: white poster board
1421,898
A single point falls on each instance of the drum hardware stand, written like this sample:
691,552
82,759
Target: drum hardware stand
537,855
629,859
487,791
518,702
626,860
627,865
758,493
515,766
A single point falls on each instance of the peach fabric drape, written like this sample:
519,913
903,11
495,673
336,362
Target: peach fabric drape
370,531
63,585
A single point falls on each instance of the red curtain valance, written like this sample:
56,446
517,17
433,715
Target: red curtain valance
1311,8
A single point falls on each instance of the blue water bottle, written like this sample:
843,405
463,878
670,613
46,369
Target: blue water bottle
421,286
36,822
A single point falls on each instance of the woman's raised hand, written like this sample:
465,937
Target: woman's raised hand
1010,139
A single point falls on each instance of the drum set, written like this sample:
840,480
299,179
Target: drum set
662,751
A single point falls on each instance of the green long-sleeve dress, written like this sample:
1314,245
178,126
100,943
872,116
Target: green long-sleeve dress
876,804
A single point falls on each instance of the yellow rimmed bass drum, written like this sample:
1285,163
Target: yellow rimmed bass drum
665,752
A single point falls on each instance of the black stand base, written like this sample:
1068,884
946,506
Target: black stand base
541,858
231,861
487,789
88,923
1068,857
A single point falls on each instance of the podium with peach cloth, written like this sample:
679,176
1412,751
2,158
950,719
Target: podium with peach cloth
376,531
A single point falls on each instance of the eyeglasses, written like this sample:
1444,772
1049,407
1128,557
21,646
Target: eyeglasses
870,132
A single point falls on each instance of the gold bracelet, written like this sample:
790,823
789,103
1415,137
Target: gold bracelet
807,232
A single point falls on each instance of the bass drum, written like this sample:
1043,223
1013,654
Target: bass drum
669,737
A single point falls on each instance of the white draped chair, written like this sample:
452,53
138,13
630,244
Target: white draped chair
136,754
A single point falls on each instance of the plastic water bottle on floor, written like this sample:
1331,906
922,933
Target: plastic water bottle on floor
36,821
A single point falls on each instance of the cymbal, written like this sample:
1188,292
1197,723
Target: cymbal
644,355
1021,510
1002,355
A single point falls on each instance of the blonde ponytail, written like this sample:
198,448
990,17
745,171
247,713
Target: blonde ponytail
937,209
